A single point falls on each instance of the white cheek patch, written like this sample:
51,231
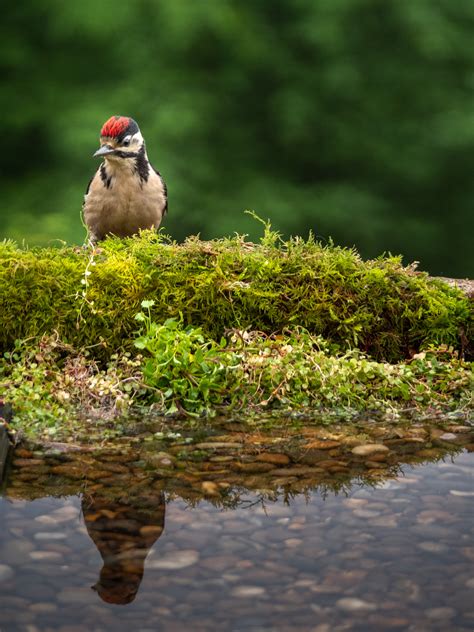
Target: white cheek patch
136,139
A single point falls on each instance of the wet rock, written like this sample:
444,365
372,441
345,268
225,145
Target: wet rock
99,475
46,556
385,521
210,488
325,589
353,604
432,547
23,453
382,622
253,468
460,429
174,560
429,453
6,572
63,514
117,468
49,535
17,552
69,471
368,449
223,563
366,513
29,462
218,445
321,444
221,459
43,607
440,613
76,595
406,441
329,464
284,481
447,436
433,531
468,551
355,502
430,516
374,465
296,471
160,459
248,591
273,457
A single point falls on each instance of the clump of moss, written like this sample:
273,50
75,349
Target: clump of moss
89,299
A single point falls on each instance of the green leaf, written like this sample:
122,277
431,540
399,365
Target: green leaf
147,304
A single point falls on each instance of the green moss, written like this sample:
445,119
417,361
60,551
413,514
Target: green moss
380,307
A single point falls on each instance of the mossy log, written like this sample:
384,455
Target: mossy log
90,297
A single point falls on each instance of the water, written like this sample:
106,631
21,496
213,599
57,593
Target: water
180,536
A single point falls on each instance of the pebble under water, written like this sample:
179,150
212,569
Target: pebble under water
305,530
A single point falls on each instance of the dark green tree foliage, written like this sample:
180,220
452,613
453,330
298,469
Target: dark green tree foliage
352,118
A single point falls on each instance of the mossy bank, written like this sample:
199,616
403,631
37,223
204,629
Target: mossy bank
225,325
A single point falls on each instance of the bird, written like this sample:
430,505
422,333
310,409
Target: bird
126,194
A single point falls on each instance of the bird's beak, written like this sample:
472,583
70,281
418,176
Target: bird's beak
104,151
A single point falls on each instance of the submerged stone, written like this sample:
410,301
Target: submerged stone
369,449
218,445
174,560
6,572
273,457
352,604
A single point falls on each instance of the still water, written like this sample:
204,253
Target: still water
324,534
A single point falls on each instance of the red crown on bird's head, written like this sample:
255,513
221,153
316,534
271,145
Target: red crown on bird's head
115,126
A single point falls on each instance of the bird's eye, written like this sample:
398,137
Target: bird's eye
126,143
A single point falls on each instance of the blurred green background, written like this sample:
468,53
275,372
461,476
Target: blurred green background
352,118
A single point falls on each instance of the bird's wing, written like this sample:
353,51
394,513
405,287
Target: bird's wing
87,190
165,189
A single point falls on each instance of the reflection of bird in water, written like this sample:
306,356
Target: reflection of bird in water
123,532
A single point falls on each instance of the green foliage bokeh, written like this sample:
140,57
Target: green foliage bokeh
352,118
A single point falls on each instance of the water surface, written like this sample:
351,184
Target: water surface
259,532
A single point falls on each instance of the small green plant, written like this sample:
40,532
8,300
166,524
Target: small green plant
192,374
53,388
188,373
27,382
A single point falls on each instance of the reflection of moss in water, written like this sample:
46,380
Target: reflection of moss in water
134,478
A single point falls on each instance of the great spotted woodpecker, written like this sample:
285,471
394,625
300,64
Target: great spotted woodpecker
126,193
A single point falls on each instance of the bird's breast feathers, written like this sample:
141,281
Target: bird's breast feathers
121,202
